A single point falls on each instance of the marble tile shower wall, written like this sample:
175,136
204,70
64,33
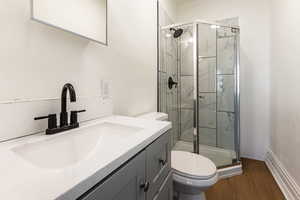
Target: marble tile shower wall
225,93
206,41
226,52
226,130
168,101
207,75
17,117
234,21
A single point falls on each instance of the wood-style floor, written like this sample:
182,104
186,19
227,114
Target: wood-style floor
256,183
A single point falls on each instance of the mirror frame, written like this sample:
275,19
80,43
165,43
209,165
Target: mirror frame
63,29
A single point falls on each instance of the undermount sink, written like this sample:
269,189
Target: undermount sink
70,148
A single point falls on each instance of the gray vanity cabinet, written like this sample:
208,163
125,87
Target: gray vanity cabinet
158,164
166,190
123,184
147,176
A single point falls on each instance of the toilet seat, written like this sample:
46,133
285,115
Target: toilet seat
192,166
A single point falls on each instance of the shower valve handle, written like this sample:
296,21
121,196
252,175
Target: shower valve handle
171,83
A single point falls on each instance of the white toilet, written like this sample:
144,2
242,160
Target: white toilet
193,173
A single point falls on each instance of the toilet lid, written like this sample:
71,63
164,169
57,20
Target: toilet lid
192,165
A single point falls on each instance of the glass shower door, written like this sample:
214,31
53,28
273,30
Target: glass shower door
227,90
218,100
207,65
168,70
186,65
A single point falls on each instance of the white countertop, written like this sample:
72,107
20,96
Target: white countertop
22,180
155,116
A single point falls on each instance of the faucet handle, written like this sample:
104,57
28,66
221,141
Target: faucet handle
80,111
52,121
74,116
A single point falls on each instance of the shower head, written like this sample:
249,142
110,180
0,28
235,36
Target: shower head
177,32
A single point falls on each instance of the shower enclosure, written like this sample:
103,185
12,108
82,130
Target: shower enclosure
199,88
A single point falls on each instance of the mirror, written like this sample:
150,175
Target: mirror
85,18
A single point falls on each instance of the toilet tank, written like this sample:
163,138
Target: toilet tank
154,116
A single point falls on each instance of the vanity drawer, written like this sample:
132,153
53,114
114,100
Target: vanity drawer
166,190
158,163
125,184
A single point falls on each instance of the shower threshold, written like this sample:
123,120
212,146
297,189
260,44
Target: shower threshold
221,157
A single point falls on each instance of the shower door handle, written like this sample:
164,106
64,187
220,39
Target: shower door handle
171,83
195,114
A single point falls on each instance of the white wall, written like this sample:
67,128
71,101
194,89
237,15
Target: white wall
170,7
36,60
285,90
254,18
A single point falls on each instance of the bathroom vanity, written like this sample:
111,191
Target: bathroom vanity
146,176
113,158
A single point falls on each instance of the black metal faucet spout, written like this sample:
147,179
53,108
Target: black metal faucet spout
64,115
64,122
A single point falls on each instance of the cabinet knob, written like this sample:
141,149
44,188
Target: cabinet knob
145,186
162,161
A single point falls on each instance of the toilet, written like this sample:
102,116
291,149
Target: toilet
193,174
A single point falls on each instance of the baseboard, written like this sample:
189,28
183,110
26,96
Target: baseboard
287,184
230,171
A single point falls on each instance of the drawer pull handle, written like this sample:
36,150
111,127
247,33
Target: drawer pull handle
145,186
162,161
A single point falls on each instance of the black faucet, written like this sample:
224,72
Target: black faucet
64,125
64,113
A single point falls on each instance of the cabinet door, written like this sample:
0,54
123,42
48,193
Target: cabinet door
166,191
158,163
125,184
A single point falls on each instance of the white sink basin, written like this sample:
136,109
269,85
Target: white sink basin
67,149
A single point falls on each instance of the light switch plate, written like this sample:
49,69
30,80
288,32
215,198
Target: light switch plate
105,89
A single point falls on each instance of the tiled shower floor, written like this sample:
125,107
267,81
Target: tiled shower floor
221,157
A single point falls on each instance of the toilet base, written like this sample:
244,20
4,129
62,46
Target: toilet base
182,196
